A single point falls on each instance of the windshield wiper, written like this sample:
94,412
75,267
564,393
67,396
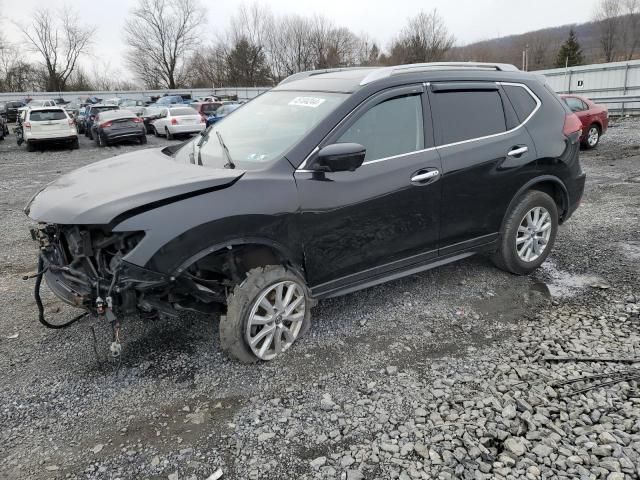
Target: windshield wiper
225,150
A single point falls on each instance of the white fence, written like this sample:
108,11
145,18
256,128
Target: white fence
603,83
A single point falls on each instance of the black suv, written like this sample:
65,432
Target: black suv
11,111
331,182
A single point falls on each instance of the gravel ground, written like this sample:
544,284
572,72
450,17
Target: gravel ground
445,374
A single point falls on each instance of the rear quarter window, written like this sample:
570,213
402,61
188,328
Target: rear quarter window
521,100
47,115
465,115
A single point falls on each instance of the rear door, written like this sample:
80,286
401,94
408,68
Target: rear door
487,155
384,215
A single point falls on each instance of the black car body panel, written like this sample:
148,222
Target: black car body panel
341,230
100,192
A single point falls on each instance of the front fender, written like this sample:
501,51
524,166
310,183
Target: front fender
182,230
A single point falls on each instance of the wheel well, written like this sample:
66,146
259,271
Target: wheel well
230,264
597,124
555,191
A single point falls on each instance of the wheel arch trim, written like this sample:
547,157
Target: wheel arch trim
285,252
532,183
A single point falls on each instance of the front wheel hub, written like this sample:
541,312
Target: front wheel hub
275,319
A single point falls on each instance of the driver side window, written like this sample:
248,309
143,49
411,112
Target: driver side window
393,127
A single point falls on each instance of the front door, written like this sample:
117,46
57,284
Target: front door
384,215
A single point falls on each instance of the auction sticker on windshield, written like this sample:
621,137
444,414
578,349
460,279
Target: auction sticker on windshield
312,102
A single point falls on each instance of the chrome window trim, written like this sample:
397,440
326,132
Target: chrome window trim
461,142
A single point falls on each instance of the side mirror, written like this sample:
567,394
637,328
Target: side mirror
341,157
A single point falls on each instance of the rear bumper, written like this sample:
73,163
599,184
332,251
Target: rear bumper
178,129
53,138
576,190
123,134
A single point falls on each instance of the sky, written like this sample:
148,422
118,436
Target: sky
468,20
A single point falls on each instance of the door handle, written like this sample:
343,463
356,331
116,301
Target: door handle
518,151
422,176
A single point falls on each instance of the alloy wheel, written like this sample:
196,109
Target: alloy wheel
593,136
533,234
275,320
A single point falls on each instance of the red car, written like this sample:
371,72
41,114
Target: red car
594,118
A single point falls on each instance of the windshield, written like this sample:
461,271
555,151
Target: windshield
265,128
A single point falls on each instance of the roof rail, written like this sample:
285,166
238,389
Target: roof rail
310,73
389,71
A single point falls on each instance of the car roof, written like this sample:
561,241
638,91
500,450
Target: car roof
349,80
57,107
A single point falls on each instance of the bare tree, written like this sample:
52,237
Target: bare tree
630,27
161,34
607,13
425,38
59,40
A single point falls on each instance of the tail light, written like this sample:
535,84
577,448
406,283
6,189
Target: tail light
203,118
174,121
105,125
27,125
71,122
572,124
137,120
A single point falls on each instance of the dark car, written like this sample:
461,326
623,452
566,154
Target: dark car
331,182
4,128
222,112
113,126
594,118
149,114
91,114
12,111
81,118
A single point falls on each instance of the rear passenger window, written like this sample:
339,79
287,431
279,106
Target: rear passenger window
522,101
575,104
390,128
465,115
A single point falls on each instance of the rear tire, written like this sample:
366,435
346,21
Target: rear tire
143,140
75,144
523,246
244,303
593,137
155,132
100,140
169,135
30,146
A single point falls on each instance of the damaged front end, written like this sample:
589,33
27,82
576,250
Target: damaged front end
85,267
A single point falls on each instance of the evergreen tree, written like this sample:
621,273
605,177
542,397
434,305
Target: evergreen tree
570,53
247,65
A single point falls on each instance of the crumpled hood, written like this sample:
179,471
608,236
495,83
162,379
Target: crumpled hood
98,193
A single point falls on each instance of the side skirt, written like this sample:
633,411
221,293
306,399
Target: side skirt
336,288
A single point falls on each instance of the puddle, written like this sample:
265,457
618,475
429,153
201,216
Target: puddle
631,250
564,284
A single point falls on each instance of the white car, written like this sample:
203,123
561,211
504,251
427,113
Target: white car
178,121
37,104
48,124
